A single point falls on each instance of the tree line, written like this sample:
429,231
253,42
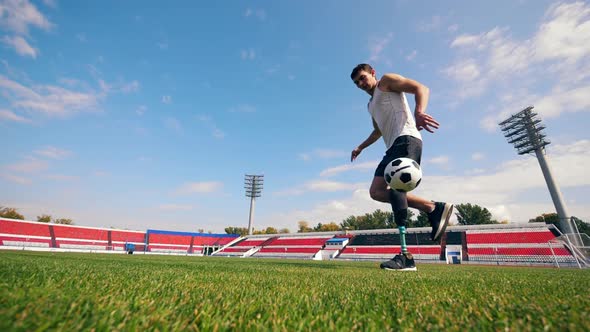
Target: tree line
12,213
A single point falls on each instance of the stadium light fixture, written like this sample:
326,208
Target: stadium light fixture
253,185
525,131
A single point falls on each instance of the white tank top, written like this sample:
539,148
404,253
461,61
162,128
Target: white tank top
391,112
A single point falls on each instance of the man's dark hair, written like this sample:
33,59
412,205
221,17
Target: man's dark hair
359,68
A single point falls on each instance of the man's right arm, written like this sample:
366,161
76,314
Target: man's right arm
374,136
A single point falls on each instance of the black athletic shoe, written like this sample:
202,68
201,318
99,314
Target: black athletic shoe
402,262
439,219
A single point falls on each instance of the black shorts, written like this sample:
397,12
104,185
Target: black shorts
403,146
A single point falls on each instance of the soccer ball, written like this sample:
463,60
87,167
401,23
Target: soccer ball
403,174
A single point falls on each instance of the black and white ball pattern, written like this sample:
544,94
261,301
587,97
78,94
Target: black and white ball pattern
403,174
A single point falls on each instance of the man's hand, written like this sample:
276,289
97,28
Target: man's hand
425,121
355,153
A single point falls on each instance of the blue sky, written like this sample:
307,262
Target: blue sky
139,115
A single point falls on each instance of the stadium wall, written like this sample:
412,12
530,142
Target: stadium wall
30,235
500,244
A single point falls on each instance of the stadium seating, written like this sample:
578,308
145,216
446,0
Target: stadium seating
383,246
534,236
243,246
76,237
293,246
169,243
482,244
514,246
378,252
202,243
185,242
120,237
24,234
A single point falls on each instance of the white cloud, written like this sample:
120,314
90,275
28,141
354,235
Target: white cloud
575,100
16,179
364,166
166,99
215,131
218,133
20,45
128,87
258,13
61,177
328,211
319,186
412,55
466,70
11,116
327,153
557,102
244,108
433,24
496,189
30,165
173,124
477,156
53,153
175,207
199,188
377,45
81,37
51,100
442,161
248,54
50,3
475,171
558,53
329,186
305,156
566,34
19,15
465,40
119,86
323,154
141,110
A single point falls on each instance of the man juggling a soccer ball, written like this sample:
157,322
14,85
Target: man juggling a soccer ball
393,120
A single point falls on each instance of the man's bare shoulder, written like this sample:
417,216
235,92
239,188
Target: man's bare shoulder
392,77
390,81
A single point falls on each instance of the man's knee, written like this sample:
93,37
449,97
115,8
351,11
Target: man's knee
377,193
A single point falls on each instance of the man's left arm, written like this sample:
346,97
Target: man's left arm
398,83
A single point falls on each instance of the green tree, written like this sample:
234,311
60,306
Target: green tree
12,213
44,218
377,220
331,227
473,214
553,218
63,221
548,218
421,220
284,231
271,230
583,227
237,230
303,227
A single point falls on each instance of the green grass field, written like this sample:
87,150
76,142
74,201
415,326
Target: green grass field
75,292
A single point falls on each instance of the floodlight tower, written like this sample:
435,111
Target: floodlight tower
524,130
253,185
